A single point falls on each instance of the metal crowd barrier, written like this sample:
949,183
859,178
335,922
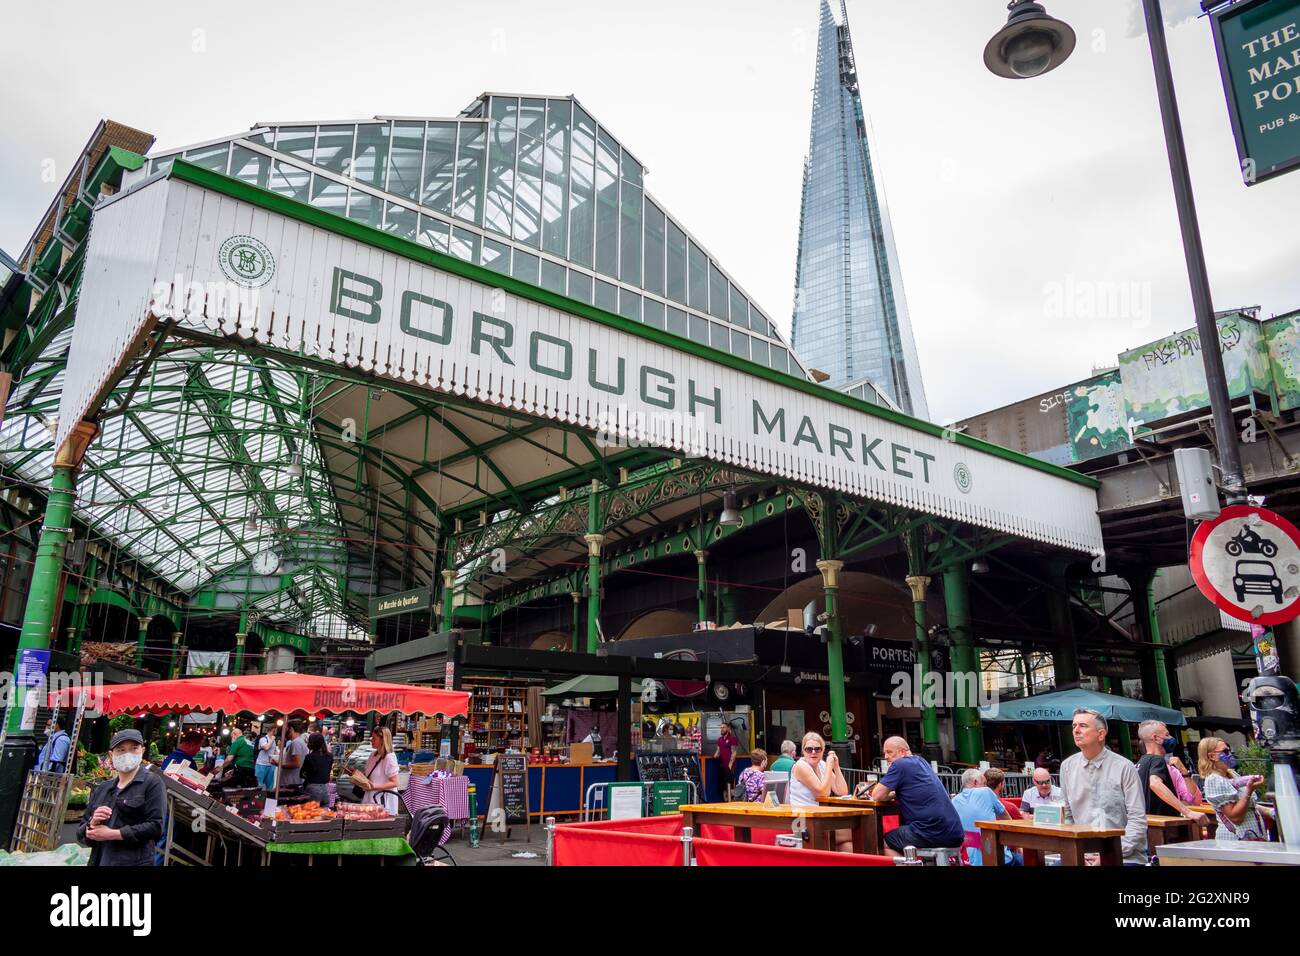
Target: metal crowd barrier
596,800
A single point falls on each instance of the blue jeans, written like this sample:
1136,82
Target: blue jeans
265,776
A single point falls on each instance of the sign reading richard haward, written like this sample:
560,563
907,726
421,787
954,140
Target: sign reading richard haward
351,295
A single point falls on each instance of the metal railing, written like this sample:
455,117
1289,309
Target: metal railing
1014,787
596,800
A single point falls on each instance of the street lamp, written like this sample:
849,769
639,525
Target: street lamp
730,517
1019,50
1031,44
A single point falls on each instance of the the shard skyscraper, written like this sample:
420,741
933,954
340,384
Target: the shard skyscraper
850,315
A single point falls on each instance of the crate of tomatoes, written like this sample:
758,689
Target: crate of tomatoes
370,820
306,823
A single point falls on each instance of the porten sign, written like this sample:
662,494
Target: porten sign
1258,42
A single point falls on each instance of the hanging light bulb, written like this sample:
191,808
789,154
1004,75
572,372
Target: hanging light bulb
294,469
730,517
171,724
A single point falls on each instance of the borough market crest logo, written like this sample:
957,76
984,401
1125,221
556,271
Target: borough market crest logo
963,478
246,261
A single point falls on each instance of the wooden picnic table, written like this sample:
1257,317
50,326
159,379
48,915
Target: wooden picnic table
1070,840
1162,830
822,822
880,809
1211,819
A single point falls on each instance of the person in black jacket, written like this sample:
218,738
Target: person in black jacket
124,816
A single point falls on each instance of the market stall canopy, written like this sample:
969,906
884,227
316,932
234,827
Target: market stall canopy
588,685
258,693
1061,705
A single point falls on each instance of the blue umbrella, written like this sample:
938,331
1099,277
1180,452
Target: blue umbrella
1061,705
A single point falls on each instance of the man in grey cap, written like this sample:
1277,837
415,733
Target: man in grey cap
124,816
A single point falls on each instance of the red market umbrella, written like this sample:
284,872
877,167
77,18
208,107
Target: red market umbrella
284,693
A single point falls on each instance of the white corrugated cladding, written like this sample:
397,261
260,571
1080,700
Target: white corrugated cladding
467,338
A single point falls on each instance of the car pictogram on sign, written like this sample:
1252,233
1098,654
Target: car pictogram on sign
1256,577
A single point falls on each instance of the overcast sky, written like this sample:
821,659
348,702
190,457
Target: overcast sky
1013,202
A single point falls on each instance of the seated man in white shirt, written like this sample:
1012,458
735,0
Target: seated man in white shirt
1043,793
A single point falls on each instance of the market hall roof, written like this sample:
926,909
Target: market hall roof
533,187
215,449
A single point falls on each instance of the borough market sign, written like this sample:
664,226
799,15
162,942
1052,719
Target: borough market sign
347,294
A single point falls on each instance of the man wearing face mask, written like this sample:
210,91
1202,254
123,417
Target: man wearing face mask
124,816
1154,773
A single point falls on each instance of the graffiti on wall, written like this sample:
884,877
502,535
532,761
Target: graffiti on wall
1095,417
1283,340
1167,378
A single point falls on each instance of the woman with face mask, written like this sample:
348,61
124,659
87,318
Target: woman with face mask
124,816
1232,795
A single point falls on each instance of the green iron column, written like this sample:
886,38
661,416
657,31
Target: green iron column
930,746
834,649
80,614
448,597
141,640
43,598
444,609
176,649
241,638
40,615
965,669
702,588
1065,656
1155,679
577,620
727,604
594,541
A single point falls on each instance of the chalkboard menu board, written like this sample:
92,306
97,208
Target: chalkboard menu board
672,765
512,788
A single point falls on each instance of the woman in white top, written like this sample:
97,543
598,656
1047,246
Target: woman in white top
381,772
813,777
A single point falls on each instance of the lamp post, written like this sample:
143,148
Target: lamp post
1031,44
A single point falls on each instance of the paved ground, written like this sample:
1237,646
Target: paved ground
490,852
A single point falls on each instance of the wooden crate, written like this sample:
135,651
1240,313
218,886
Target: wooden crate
307,831
194,798
375,829
232,821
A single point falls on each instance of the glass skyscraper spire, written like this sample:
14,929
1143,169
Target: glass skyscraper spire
850,315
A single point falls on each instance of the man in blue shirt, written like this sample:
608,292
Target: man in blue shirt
977,802
54,754
186,749
925,811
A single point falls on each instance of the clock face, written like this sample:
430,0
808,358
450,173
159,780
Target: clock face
266,562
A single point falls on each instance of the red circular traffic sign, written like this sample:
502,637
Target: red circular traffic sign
1247,562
